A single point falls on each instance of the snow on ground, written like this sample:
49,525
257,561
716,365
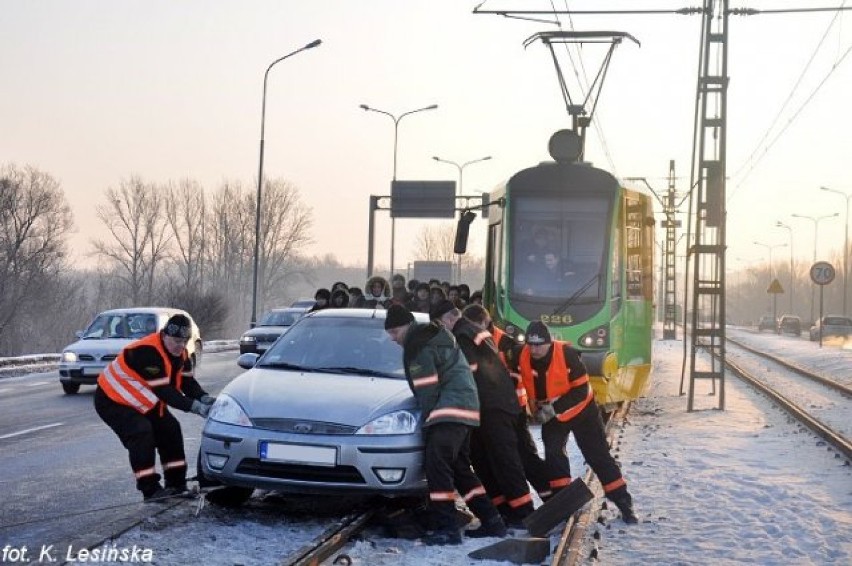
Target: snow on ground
743,485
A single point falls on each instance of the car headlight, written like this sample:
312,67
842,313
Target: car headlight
227,410
398,422
69,357
248,339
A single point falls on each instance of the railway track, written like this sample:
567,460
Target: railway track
818,425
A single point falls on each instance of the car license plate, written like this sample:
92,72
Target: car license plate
298,453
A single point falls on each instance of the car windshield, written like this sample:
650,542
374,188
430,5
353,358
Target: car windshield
279,318
127,326
837,321
357,346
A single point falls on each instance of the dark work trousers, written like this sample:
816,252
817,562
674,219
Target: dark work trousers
446,463
589,433
538,472
495,458
143,436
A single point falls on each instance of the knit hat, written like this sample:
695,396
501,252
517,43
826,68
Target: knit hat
178,326
397,316
537,333
440,308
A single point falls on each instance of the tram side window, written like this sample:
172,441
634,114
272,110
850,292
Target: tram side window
634,224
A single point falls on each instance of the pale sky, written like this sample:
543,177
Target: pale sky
95,91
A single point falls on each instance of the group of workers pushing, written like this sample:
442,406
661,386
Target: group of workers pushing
477,386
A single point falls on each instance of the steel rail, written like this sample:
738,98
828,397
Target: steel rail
796,368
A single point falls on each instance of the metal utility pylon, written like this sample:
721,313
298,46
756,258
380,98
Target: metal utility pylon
669,257
707,316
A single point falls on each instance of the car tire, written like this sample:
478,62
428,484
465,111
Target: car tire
229,496
70,388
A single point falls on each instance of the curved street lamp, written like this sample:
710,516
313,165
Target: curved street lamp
310,45
816,221
846,252
460,167
396,120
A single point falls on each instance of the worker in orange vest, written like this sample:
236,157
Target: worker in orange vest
133,393
562,399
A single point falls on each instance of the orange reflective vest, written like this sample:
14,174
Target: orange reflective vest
126,386
520,390
558,381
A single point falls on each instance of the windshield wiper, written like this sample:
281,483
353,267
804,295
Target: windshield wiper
285,365
573,298
356,371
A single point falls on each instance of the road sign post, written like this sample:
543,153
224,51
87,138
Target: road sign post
822,273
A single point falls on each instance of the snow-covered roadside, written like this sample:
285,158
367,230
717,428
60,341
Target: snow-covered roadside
725,487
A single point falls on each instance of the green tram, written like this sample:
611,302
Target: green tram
567,245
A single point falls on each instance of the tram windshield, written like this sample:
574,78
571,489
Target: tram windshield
558,246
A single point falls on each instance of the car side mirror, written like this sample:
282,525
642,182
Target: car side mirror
79,334
248,360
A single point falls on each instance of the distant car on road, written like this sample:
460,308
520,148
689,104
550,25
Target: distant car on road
112,330
833,326
790,324
272,325
766,323
327,410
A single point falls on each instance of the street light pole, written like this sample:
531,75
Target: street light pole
772,274
310,45
396,120
815,220
790,230
846,251
461,191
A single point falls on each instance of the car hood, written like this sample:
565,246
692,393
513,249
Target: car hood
108,346
264,330
343,399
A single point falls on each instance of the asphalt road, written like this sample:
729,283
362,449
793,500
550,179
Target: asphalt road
64,476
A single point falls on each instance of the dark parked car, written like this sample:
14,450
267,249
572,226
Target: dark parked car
326,410
833,326
790,324
271,326
766,323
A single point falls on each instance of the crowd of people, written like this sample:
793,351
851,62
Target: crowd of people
416,296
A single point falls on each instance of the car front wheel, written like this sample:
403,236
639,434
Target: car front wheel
70,388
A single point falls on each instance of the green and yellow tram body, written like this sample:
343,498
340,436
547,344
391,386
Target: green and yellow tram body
597,292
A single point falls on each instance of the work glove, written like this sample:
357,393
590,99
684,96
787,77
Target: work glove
544,413
200,409
207,399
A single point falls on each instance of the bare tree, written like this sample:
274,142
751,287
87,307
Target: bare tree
284,232
133,216
35,221
435,243
187,215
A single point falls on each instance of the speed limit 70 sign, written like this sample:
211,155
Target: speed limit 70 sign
822,273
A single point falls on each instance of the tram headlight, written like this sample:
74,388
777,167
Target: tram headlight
595,338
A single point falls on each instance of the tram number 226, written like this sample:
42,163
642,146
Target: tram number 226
557,318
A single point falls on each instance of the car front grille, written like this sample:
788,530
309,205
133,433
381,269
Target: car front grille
296,426
267,337
319,474
86,358
109,357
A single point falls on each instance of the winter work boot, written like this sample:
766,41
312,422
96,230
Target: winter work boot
493,527
625,505
159,494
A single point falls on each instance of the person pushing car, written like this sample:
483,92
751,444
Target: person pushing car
133,395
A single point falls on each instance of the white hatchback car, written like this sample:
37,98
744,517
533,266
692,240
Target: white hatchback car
110,331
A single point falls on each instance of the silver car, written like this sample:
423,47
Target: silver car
110,331
325,410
